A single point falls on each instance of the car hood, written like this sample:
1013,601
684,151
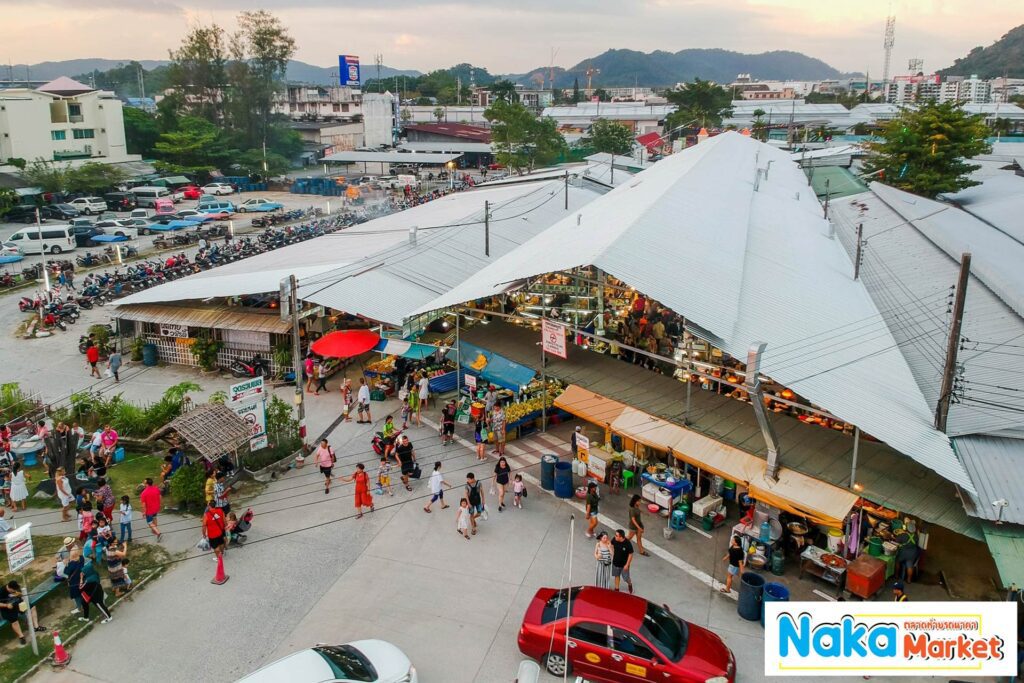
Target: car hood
706,652
390,662
304,665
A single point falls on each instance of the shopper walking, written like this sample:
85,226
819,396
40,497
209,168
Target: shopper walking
92,357
363,400
636,523
498,428
448,423
325,460
414,397
308,370
593,508
221,491
126,518
519,491
73,575
215,527
463,519
92,592
346,400
64,494
424,391
736,559
437,484
363,497
501,476
150,499
622,559
114,364
480,436
603,552
475,496
405,455
19,489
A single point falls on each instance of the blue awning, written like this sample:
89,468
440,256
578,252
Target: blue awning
493,367
406,349
109,238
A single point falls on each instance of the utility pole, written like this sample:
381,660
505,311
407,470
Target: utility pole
953,344
293,301
860,251
566,190
487,228
827,196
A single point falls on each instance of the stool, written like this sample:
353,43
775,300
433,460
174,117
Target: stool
627,478
678,521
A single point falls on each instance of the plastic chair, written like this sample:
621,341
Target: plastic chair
627,478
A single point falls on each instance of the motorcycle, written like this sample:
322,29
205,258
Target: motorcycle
255,368
26,304
7,280
381,443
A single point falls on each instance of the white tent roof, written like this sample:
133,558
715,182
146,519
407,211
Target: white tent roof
746,265
356,157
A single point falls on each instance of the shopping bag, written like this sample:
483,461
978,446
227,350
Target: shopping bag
484,515
108,372
494,488
203,544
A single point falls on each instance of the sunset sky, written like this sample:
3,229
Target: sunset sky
519,35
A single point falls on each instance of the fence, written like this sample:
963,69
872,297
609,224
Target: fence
177,352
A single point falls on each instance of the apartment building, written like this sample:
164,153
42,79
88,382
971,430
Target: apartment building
924,87
302,102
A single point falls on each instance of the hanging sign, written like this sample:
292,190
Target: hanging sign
180,331
553,338
470,381
582,447
19,547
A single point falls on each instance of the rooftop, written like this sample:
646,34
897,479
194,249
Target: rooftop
454,130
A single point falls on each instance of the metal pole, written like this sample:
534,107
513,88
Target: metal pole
568,596
827,196
487,228
28,615
856,449
860,247
297,359
689,373
566,190
543,368
458,361
953,344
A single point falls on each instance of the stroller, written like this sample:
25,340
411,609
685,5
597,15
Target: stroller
237,531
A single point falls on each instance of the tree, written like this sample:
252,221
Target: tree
576,90
610,137
602,95
759,127
196,147
49,176
504,91
924,150
521,141
700,101
439,114
405,115
95,177
198,72
1001,126
17,162
260,51
8,199
141,131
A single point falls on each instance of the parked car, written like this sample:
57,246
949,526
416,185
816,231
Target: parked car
218,188
61,212
214,213
193,215
10,249
215,204
370,661
51,239
120,201
259,204
615,637
22,213
144,214
123,227
89,205
190,191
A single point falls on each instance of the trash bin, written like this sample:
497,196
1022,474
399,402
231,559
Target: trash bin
563,480
751,590
778,562
547,472
149,355
773,592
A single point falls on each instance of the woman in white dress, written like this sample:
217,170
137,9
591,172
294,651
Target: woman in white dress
19,490
64,493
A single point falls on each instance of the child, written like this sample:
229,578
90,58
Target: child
462,519
85,519
405,415
5,487
384,477
519,489
126,518
105,534
478,437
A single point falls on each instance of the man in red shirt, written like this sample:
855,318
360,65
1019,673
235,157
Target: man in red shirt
92,356
214,528
150,498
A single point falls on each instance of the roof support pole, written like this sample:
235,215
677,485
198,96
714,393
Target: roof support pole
860,251
953,344
856,450
753,387
293,300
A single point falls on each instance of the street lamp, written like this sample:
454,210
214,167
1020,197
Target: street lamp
451,174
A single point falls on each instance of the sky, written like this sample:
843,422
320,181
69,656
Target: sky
519,35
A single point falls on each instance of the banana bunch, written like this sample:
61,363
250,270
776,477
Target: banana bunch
383,366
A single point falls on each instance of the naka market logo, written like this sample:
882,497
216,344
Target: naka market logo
838,639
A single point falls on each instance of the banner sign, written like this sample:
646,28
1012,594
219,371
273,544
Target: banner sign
470,380
18,543
924,639
348,70
180,331
582,447
553,338
254,413
246,389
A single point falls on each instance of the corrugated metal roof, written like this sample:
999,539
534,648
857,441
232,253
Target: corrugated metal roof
219,317
354,157
996,466
455,130
1006,543
998,201
462,146
745,265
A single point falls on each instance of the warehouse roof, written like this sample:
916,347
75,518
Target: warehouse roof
355,157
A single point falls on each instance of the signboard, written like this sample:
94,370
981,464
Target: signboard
254,413
348,70
596,467
258,442
246,389
582,447
179,331
470,381
19,547
553,338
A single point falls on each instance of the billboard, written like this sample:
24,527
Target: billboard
348,70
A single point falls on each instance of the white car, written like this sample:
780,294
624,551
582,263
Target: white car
10,249
218,189
259,204
89,205
126,227
369,661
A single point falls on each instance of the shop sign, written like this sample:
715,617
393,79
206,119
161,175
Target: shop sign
179,331
924,639
553,338
254,413
348,70
258,442
596,467
246,389
582,447
18,543
470,381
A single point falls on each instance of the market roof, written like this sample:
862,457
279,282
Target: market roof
454,130
996,466
219,317
461,146
998,201
213,429
354,157
778,276
1006,543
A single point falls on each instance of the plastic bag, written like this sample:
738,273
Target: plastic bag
484,515
108,372
203,544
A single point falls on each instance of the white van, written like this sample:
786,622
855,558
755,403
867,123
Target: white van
147,195
56,239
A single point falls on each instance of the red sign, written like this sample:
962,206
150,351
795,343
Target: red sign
553,338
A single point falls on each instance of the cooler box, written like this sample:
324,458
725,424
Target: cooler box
663,498
865,576
705,505
650,492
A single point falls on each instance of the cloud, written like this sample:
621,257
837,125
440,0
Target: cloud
135,6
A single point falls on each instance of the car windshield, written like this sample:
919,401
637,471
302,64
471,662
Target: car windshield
557,605
665,631
347,663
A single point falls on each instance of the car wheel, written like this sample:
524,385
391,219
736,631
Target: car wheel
87,212
556,665
143,232
242,209
119,234
55,250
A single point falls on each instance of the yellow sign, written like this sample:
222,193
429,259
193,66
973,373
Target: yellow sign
636,670
592,658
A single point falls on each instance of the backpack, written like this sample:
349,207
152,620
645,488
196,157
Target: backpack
474,494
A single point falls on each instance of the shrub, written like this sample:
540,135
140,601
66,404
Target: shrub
188,485
137,345
204,350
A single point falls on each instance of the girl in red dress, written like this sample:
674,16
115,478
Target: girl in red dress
363,497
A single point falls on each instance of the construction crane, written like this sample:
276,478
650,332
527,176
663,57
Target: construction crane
890,40
591,71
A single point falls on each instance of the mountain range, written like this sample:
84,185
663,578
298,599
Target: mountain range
1005,57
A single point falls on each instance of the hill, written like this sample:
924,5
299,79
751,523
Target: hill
1003,57
624,68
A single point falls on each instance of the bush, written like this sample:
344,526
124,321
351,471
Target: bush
188,485
137,345
205,350
93,409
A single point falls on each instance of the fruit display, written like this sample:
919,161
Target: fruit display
384,366
517,411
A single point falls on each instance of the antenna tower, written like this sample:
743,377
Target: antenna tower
378,59
890,40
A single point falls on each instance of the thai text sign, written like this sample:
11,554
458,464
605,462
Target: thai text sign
553,338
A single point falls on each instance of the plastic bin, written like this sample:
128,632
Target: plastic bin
547,472
751,596
563,480
119,454
150,357
773,592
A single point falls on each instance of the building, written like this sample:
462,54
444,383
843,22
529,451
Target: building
782,113
446,132
921,87
62,120
638,118
435,113
326,137
301,102
380,119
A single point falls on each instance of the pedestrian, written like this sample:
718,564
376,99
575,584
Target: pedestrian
11,599
475,496
736,559
897,592
490,398
389,432
414,397
85,520
448,423
69,277
215,526
501,476
126,518
363,399
92,357
314,379
363,498
593,508
518,491
424,392
73,575
150,498
463,519
480,437
210,485
325,459
498,428
622,559
114,364
437,484
321,377
19,489
221,491
384,477
64,494
572,442
92,592
104,495
117,558
636,523
603,552
307,372
346,399
405,456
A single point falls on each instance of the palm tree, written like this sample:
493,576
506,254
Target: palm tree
505,91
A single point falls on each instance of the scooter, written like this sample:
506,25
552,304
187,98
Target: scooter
379,442
256,368
26,304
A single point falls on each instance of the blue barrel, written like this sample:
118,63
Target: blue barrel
751,590
773,592
149,355
547,472
563,480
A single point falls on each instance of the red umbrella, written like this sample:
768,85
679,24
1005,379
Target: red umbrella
345,343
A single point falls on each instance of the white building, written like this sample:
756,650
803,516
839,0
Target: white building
62,121
907,89
379,119
300,102
637,117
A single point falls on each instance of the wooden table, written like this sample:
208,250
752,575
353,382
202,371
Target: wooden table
811,563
